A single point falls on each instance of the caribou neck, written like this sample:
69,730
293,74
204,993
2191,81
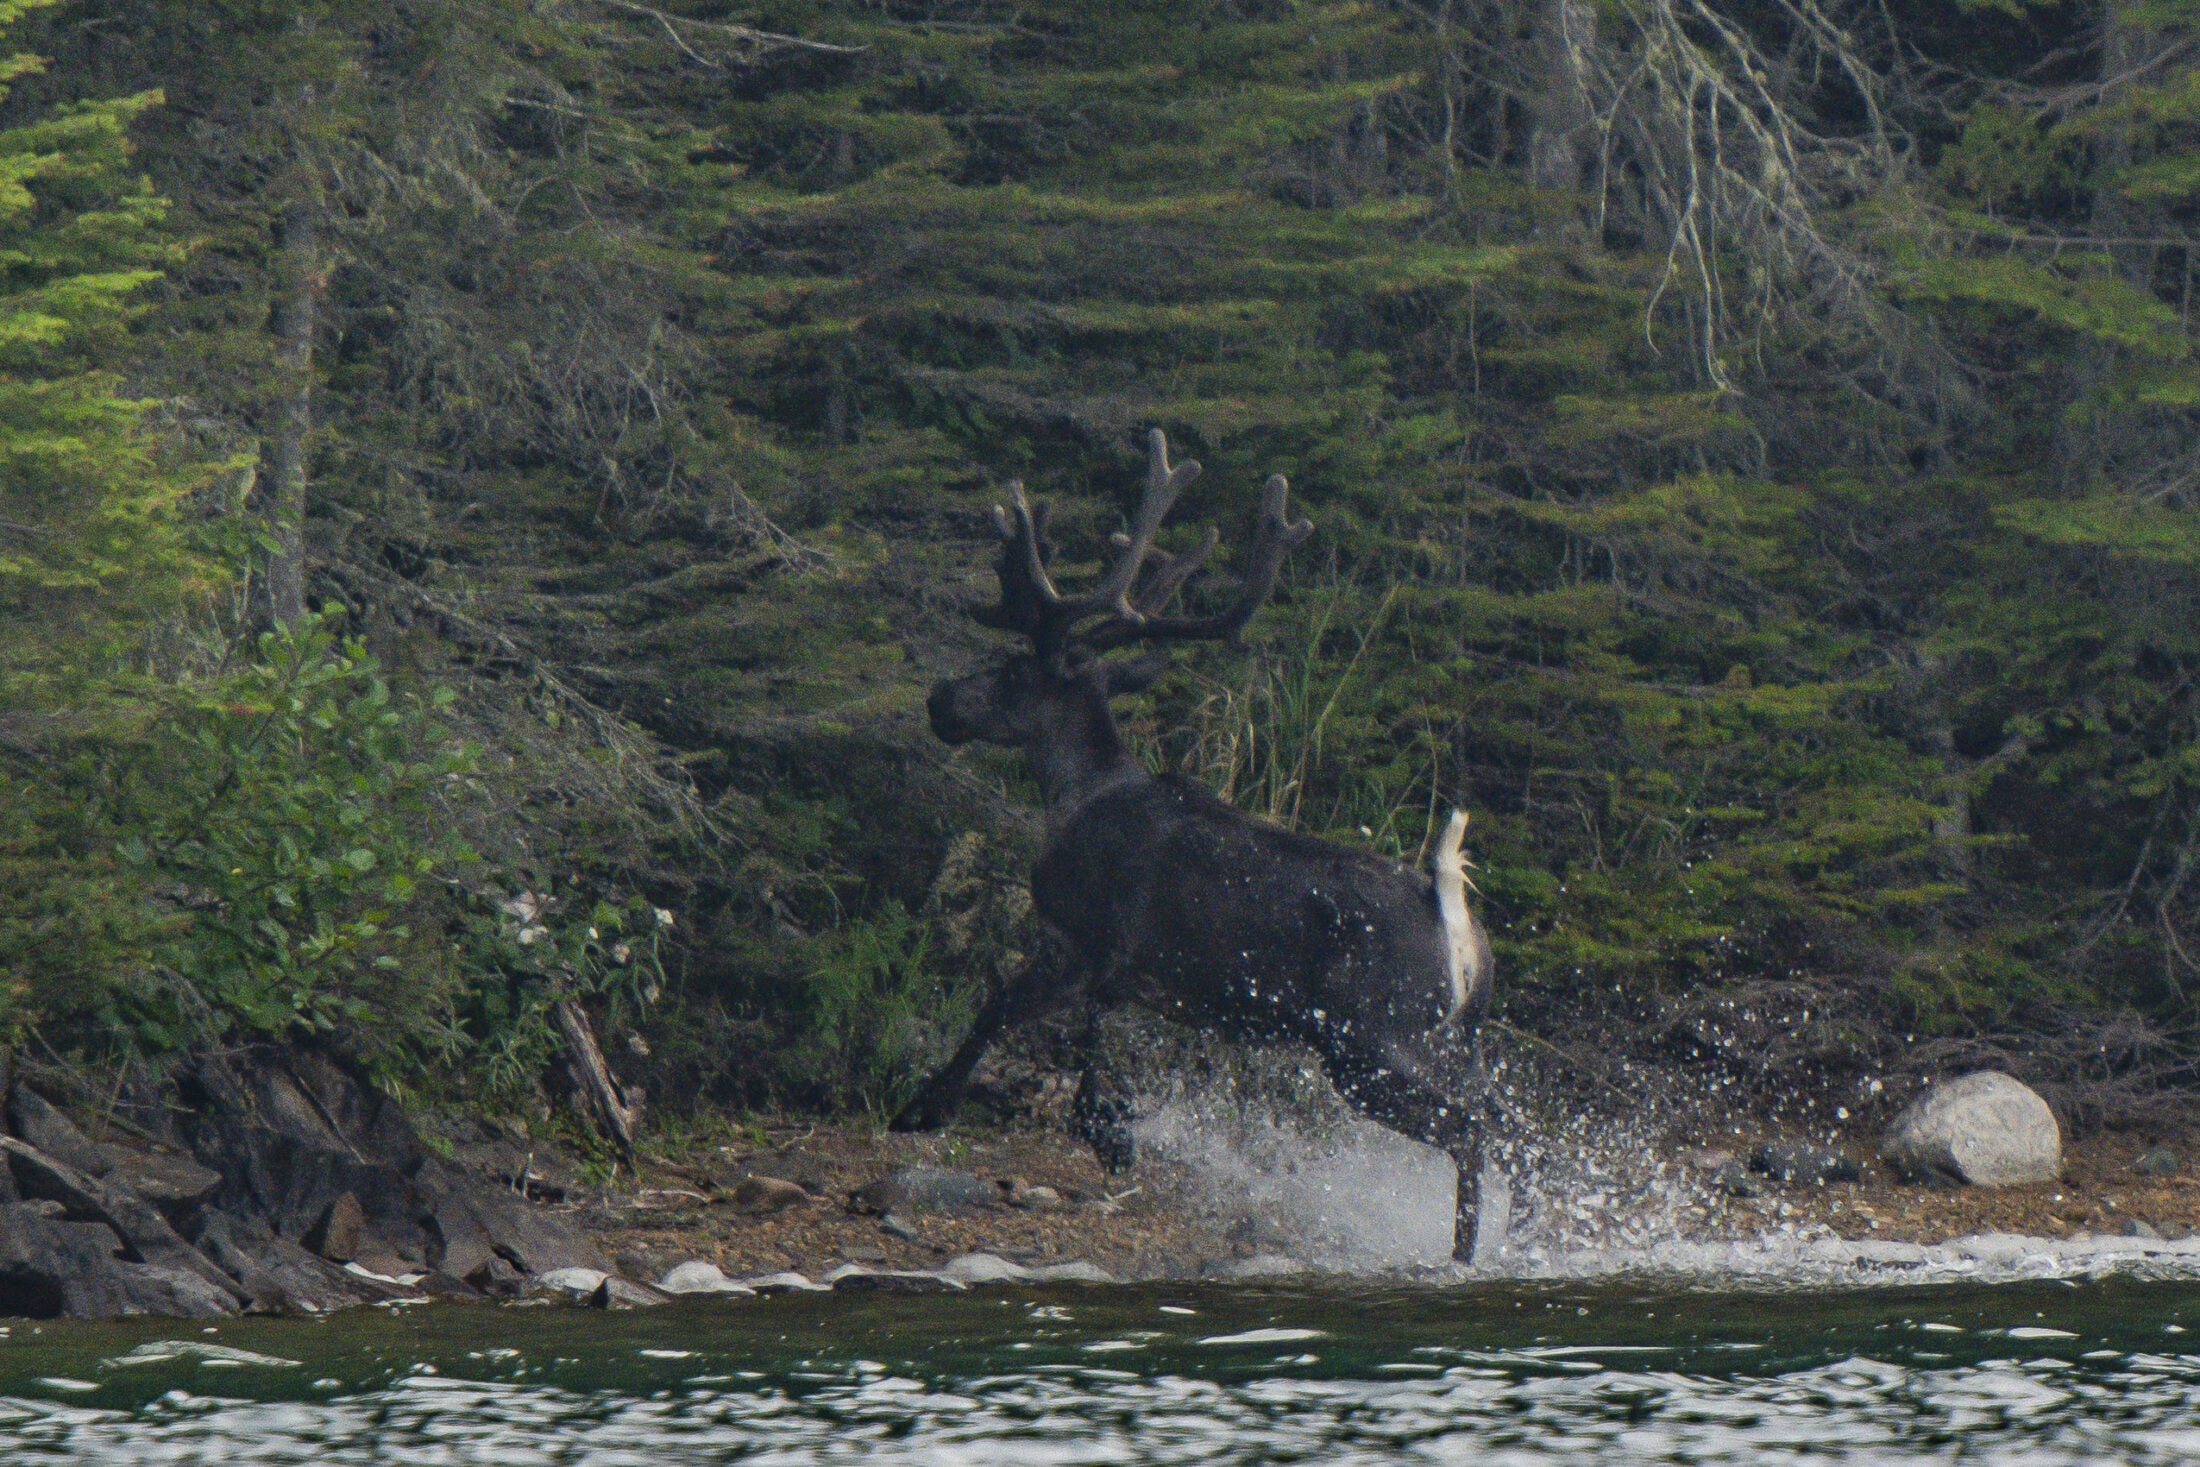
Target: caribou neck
1076,765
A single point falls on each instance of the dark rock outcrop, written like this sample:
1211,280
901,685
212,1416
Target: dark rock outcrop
145,1234
304,1190
174,1184
291,1142
52,1267
278,1275
33,1118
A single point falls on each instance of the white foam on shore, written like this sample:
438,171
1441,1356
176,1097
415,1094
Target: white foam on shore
1778,1261
1352,1199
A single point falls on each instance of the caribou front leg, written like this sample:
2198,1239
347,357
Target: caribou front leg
1102,1113
1046,980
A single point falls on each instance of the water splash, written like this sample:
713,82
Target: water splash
1267,1151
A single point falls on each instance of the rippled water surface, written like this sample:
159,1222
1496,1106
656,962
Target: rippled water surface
1499,1374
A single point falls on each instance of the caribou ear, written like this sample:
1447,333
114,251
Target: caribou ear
1133,674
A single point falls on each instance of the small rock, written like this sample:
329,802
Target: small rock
2159,1162
923,1189
897,1227
758,1196
984,1268
1802,1163
1735,1181
498,1279
698,1277
1987,1128
574,1283
863,1253
798,1166
895,1282
2135,1227
617,1293
440,1285
783,1283
336,1236
390,1273
1704,1158
1032,1198
382,1261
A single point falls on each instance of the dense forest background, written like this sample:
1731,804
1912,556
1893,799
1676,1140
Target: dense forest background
485,486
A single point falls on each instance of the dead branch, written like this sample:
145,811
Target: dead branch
611,1110
763,41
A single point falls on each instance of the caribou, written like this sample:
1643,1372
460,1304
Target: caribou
1157,893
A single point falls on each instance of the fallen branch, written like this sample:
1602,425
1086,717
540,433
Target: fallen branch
749,35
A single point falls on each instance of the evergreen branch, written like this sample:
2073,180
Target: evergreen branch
635,753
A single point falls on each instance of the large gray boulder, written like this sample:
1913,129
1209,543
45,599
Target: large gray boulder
52,1266
145,1235
1985,1128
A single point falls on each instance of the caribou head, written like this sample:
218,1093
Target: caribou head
1052,700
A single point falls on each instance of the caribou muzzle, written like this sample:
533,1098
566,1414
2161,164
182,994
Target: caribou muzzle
948,724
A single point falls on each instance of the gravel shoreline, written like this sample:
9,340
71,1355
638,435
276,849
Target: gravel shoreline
1151,1224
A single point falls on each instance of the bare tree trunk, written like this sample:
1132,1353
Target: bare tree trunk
303,278
611,1109
2128,47
1561,129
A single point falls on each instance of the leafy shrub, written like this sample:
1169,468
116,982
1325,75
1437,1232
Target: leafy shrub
878,1012
287,814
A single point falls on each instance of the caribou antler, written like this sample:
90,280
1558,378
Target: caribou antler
1273,541
1031,604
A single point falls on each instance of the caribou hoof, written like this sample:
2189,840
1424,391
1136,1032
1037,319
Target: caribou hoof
925,1113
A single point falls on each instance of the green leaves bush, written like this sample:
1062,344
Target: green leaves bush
289,812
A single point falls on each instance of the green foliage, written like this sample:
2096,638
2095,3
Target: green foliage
1791,573
877,1013
293,814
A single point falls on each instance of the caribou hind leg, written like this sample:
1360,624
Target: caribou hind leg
1398,1090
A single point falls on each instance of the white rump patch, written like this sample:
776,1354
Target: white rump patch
1462,954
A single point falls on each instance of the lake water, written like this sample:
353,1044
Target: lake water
2023,1373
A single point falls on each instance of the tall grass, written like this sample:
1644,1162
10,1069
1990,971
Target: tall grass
1299,741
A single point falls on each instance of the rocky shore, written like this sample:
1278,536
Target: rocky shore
277,1184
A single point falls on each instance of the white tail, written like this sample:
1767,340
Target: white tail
1465,951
